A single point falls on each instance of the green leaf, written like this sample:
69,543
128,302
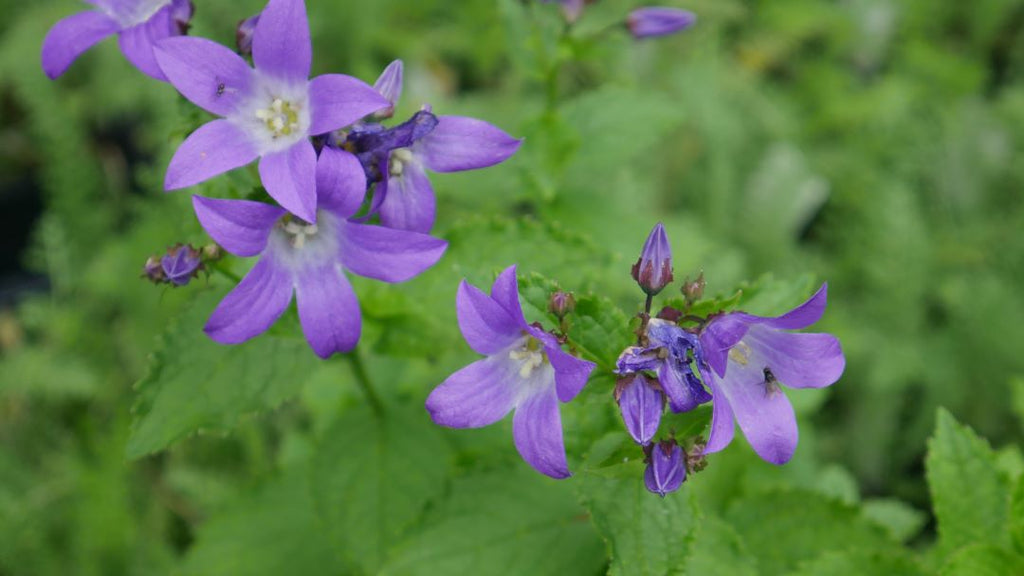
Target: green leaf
645,534
900,519
717,550
983,560
1017,515
373,476
196,384
271,530
860,562
786,527
969,494
504,523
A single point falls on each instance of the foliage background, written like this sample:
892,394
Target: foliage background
871,143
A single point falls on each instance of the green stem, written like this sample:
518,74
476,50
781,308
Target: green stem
363,380
220,267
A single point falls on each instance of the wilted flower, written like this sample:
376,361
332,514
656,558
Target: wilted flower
139,24
309,259
641,403
653,271
749,357
666,468
181,264
244,33
671,352
525,370
657,21
269,113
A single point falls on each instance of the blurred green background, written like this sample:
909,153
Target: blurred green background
875,144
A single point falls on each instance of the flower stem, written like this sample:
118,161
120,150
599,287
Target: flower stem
223,270
363,380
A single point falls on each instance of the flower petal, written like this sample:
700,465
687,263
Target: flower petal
571,373
460,143
798,360
337,101
723,425
213,149
720,335
281,46
252,306
408,200
340,182
762,411
800,317
290,178
641,406
478,395
486,326
240,226
505,291
208,74
682,388
385,254
137,42
389,84
537,430
328,310
66,41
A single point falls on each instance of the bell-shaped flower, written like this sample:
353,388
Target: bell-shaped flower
641,403
309,260
655,21
268,112
748,357
666,468
672,353
525,370
139,25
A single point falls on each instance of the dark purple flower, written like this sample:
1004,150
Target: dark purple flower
525,370
139,25
244,33
309,259
181,264
749,357
653,270
671,352
657,21
268,113
641,403
666,468
399,156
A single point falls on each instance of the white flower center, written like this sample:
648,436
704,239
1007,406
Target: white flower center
740,353
130,14
281,118
297,231
399,158
530,356
299,244
276,115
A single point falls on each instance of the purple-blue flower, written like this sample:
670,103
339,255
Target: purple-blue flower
268,112
397,158
641,403
525,370
309,259
672,352
653,270
139,25
749,357
181,264
244,34
657,21
666,468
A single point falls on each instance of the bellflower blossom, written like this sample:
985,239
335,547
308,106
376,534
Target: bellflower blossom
139,25
749,357
525,370
657,21
268,112
309,259
666,468
672,352
397,158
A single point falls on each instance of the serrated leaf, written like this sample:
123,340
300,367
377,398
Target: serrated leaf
784,528
196,384
983,560
505,523
271,530
645,534
860,562
373,476
969,495
717,550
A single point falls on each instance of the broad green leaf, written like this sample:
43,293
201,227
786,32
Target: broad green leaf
900,519
860,562
1017,515
784,528
983,560
507,523
969,495
196,384
373,476
645,534
270,530
717,550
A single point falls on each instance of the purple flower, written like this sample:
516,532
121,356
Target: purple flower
389,85
398,157
309,259
666,468
749,357
671,352
525,370
139,25
641,403
244,33
653,270
656,21
268,113
181,264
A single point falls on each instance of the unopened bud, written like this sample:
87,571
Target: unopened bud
653,271
181,264
561,303
212,253
694,291
389,85
666,468
657,21
243,35
153,271
181,15
642,404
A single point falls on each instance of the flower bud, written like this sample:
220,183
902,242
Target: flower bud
153,271
666,468
653,271
181,264
641,403
212,253
244,34
657,21
181,15
694,291
561,303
